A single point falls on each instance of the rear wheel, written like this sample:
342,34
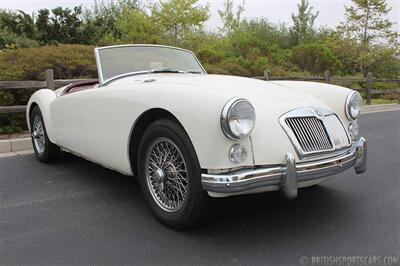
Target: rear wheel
170,176
45,150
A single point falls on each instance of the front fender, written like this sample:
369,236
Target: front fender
199,113
43,98
201,119
332,95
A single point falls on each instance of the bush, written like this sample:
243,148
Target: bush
12,123
67,61
315,58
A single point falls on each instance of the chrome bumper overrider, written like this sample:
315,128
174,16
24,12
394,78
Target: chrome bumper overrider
287,177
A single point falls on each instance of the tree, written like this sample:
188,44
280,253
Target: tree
17,22
137,26
16,29
368,24
43,26
66,24
345,49
303,22
230,20
101,19
178,17
63,26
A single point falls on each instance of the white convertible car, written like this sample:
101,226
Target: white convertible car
189,136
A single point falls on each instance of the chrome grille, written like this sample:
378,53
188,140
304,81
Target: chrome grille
310,132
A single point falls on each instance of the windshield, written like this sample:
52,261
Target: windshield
114,61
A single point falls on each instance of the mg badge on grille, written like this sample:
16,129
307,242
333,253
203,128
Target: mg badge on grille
318,112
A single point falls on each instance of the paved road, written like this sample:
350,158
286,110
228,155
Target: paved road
78,212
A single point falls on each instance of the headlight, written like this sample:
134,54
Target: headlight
238,118
353,105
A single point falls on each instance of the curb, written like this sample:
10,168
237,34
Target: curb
380,108
18,153
15,145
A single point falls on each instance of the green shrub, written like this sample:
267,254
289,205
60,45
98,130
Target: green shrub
67,61
12,123
315,58
385,85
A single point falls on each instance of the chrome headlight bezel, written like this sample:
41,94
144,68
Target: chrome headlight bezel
350,100
225,118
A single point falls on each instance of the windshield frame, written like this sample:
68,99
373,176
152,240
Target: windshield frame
103,82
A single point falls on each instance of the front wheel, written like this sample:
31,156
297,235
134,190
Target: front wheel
170,176
45,150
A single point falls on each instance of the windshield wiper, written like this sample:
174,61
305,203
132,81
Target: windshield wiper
193,72
165,70
170,70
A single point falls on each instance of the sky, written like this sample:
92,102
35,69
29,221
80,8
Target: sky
331,12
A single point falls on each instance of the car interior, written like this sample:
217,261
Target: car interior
80,86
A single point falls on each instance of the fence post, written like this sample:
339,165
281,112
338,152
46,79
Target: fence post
327,76
50,79
369,88
266,74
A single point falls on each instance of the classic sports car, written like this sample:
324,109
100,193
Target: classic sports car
189,136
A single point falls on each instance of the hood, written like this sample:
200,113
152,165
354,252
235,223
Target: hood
236,86
264,95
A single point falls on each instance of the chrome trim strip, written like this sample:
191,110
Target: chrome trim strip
98,65
286,176
106,82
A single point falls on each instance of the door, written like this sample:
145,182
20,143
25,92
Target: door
67,119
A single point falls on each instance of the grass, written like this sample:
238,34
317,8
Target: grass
381,101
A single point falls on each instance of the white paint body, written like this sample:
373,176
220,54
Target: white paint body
96,123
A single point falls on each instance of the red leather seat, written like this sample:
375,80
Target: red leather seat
80,86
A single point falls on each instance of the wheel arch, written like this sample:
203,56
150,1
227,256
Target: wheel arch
138,128
43,99
33,105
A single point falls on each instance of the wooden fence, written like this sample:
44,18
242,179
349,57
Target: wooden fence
52,84
32,85
328,78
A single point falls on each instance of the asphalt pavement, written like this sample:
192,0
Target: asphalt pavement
76,212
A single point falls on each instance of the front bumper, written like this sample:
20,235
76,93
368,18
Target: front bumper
289,177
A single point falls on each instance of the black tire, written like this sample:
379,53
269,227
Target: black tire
197,204
48,152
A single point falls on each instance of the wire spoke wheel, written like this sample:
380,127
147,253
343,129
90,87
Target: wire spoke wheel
38,134
166,175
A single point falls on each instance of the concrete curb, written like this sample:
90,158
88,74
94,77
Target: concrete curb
18,153
17,146
380,108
